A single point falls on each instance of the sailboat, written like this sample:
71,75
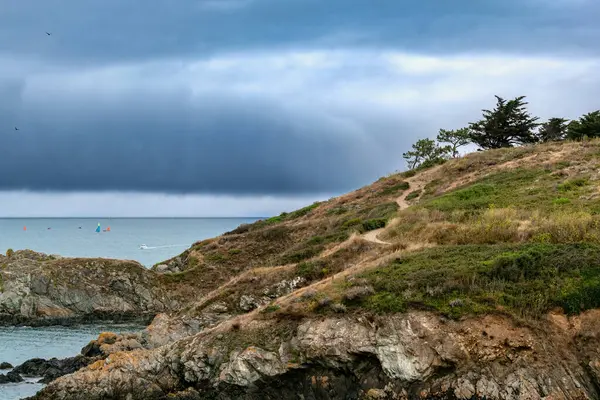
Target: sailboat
98,228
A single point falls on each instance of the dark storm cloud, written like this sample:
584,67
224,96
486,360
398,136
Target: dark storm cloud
260,97
92,31
220,146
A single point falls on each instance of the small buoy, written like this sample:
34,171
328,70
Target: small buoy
24,228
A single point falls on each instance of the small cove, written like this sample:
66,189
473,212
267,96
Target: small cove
19,344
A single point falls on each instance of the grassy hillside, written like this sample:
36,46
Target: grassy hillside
513,230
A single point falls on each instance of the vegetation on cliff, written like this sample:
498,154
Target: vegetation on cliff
413,286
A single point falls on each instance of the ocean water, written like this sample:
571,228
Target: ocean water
164,238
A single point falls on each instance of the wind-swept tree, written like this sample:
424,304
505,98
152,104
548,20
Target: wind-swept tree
425,151
554,129
506,125
587,126
455,139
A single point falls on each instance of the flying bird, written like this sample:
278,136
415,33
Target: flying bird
16,129
49,33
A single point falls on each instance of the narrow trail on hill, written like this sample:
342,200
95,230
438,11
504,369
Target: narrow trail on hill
416,183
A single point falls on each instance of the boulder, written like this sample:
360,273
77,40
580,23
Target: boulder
5,365
11,377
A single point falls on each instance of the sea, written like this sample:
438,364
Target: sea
162,238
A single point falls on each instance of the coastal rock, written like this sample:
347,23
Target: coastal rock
38,289
5,365
11,377
108,343
53,368
410,356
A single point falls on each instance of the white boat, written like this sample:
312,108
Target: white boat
143,247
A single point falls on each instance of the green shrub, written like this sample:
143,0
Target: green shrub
373,224
312,270
234,251
303,254
413,195
395,188
315,240
215,257
271,308
408,174
560,201
303,211
572,184
351,222
10,252
273,220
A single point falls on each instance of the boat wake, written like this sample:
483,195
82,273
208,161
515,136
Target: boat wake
144,247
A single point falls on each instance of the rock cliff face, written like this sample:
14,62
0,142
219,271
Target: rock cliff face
37,289
415,355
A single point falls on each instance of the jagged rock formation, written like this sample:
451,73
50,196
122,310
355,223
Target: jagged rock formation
416,355
37,289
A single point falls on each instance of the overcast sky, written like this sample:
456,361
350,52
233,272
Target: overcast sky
253,107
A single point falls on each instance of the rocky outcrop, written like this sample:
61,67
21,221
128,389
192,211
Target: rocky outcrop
48,370
5,365
11,377
417,355
37,289
51,369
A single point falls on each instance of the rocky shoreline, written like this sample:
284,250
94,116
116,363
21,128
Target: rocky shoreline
40,290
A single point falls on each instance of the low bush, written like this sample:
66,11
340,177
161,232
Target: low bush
394,188
303,211
373,224
312,270
572,184
561,201
413,195
351,222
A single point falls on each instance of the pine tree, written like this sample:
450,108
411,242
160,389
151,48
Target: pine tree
507,125
587,126
456,138
554,129
425,151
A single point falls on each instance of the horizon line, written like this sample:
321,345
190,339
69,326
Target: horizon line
155,217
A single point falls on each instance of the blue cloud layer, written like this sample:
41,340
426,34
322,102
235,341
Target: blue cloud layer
91,31
261,97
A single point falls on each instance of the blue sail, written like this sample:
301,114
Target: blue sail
98,228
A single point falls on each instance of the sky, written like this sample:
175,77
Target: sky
254,107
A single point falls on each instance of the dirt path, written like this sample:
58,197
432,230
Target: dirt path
416,183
